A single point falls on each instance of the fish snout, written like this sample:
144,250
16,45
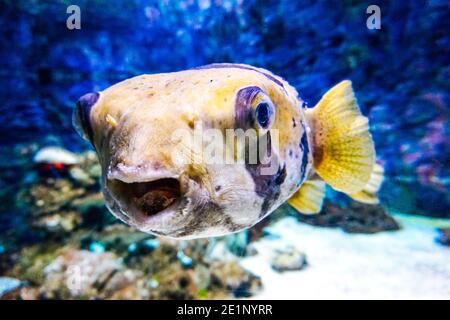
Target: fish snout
149,187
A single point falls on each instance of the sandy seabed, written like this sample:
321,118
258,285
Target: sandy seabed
405,264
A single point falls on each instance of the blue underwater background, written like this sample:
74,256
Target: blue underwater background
400,74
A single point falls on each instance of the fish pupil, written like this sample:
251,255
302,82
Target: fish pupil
263,114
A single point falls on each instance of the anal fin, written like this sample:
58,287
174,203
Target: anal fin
309,198
369,193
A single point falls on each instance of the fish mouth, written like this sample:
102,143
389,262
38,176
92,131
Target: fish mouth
148,203
154,196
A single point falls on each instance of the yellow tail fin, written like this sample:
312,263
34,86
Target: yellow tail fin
309,198
343,149
369,193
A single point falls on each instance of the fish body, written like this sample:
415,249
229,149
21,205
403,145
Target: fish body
169,166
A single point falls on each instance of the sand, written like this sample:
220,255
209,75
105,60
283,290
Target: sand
406,264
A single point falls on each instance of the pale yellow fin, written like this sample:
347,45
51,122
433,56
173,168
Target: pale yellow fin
309,198
343,149
369,193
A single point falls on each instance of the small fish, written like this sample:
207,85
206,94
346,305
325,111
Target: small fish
133,125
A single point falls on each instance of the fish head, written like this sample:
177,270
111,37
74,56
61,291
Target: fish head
197,153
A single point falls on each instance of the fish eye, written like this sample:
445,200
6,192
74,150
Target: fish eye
81,115
263,113
254,108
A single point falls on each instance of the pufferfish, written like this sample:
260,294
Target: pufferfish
132,124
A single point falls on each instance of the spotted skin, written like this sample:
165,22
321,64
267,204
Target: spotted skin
240,66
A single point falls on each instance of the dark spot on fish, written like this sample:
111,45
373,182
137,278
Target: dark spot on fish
231,65
294,123
159,233
281,175
290,153
266,186
83,110
243,113
157,165
305,149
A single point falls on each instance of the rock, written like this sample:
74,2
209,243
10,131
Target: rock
288,259
118,238
219,251
50,195
53,155
354,218
79,274
81,176
24,292
202,276
9,287
174,283
61,222
93,210
30,262
88,171
444,236
230,276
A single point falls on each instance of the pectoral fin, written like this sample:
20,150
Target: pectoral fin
309,198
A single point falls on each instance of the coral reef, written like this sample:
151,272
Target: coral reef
79,251
353,218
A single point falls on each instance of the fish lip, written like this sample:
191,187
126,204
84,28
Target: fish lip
138,173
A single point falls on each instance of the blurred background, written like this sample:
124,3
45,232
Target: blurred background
52,217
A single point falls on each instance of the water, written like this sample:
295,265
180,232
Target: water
53,218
